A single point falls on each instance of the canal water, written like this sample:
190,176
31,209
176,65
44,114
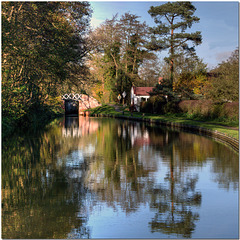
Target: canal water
107,178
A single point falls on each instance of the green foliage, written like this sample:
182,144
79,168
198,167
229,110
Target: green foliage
155,104
189,62
164,89
225,81
43,50
190,76
191,85
159,105
104,109
208,110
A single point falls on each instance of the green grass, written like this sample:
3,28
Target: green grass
104,109
215,125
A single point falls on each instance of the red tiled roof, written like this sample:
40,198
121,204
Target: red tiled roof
142,91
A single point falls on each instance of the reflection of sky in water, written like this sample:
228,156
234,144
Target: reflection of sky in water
114,222
73,159
218,204
89,150
134,225
76,158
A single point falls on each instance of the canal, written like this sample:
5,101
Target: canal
108,178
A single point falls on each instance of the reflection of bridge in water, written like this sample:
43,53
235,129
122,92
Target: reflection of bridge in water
75,103
79,126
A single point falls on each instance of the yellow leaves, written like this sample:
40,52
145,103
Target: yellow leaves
199,84
191,83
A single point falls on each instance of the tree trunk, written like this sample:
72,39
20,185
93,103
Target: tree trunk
172,52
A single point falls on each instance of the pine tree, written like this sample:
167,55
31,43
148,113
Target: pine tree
173,19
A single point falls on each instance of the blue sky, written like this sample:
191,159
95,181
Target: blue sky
218,24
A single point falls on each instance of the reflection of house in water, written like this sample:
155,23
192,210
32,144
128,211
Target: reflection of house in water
139,136
79,126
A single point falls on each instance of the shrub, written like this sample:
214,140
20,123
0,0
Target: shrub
155,104
146,107
160,105
196,107
171,107
209,110
231,110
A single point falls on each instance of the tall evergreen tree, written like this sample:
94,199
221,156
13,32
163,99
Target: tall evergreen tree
173,19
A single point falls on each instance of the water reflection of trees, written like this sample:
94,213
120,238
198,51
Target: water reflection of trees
191,150
177,204
51,181
124,175
118,177
39,199
226,168
174,209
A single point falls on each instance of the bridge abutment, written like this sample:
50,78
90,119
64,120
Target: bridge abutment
77,103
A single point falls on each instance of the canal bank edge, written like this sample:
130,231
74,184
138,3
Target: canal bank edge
221,137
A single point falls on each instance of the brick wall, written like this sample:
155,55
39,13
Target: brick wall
87,102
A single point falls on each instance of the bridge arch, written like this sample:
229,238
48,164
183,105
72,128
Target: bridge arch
76,103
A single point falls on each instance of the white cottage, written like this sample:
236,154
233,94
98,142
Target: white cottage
140,94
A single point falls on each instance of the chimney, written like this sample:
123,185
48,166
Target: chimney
160,80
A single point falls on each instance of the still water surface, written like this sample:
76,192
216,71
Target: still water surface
106,178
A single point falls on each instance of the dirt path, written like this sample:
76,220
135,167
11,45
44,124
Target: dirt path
117,108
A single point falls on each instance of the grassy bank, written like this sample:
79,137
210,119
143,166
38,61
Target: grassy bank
228,128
